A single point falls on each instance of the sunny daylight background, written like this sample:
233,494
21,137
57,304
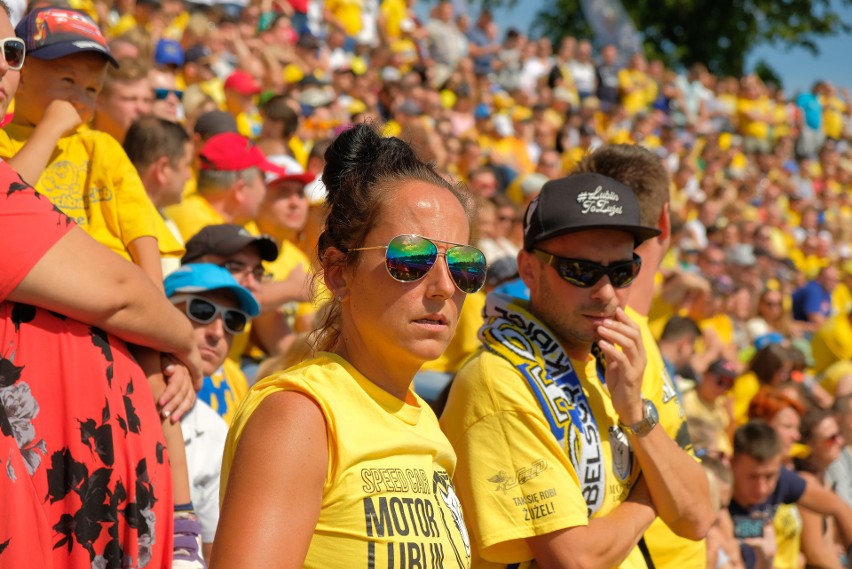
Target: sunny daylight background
797,67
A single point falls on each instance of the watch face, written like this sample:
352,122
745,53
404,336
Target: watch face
651,411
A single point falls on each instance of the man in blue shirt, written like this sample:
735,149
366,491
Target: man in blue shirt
811,133
812,302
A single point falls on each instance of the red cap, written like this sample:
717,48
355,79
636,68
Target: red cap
243,83
230,151
304,178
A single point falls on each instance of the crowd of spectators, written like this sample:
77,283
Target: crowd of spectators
753,310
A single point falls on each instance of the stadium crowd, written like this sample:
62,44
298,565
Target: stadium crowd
191,139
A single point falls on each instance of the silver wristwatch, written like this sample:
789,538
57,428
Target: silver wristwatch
650,418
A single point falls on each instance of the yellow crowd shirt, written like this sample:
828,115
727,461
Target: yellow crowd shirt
667,549
91,180
388,499
832,342
290,257
465,341
788,536
194,213
393,12
713,413
841,299
513,477
634,84
832,117
745,388
757,128
348,13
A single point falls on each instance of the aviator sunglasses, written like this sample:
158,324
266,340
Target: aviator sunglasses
205,311
163,94
584,274
13,52
409,258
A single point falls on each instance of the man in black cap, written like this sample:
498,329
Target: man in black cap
242,254
560,458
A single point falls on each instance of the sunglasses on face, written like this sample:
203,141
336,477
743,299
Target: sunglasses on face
13,52
204,311
163,94
409,258
584,274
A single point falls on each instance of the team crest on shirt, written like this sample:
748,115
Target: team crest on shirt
622,454
443,487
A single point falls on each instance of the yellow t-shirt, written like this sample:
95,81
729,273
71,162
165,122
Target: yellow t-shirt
714,413
832,117
393,12
841,299
667,549
290,257
224,390
745,388
465,341
194,213
788,536
348,12
634,83
513,477
751,127
388,499
249,124
90,178
832,342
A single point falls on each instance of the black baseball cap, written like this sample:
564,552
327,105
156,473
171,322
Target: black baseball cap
583,202
226,239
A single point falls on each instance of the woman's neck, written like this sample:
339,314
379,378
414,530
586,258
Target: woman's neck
392,377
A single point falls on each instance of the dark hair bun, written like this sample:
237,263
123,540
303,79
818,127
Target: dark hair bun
359,156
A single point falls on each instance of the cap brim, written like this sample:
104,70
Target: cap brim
304,178
639,233
267,166
267,247
51,52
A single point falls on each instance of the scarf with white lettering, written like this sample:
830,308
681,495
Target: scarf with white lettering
511,332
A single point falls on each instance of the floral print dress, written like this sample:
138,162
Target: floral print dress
84,474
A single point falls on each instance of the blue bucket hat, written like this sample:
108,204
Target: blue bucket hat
204,277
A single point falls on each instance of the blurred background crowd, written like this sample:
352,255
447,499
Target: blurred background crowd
754,305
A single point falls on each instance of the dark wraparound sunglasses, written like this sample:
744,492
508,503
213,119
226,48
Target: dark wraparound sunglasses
13,52
584,274
409,258
204,311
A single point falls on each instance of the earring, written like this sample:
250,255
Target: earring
339,298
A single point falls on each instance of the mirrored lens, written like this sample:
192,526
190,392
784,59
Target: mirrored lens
410,257
13,52
585,274
622,274
467,268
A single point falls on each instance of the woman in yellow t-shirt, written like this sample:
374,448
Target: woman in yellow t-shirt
336,462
